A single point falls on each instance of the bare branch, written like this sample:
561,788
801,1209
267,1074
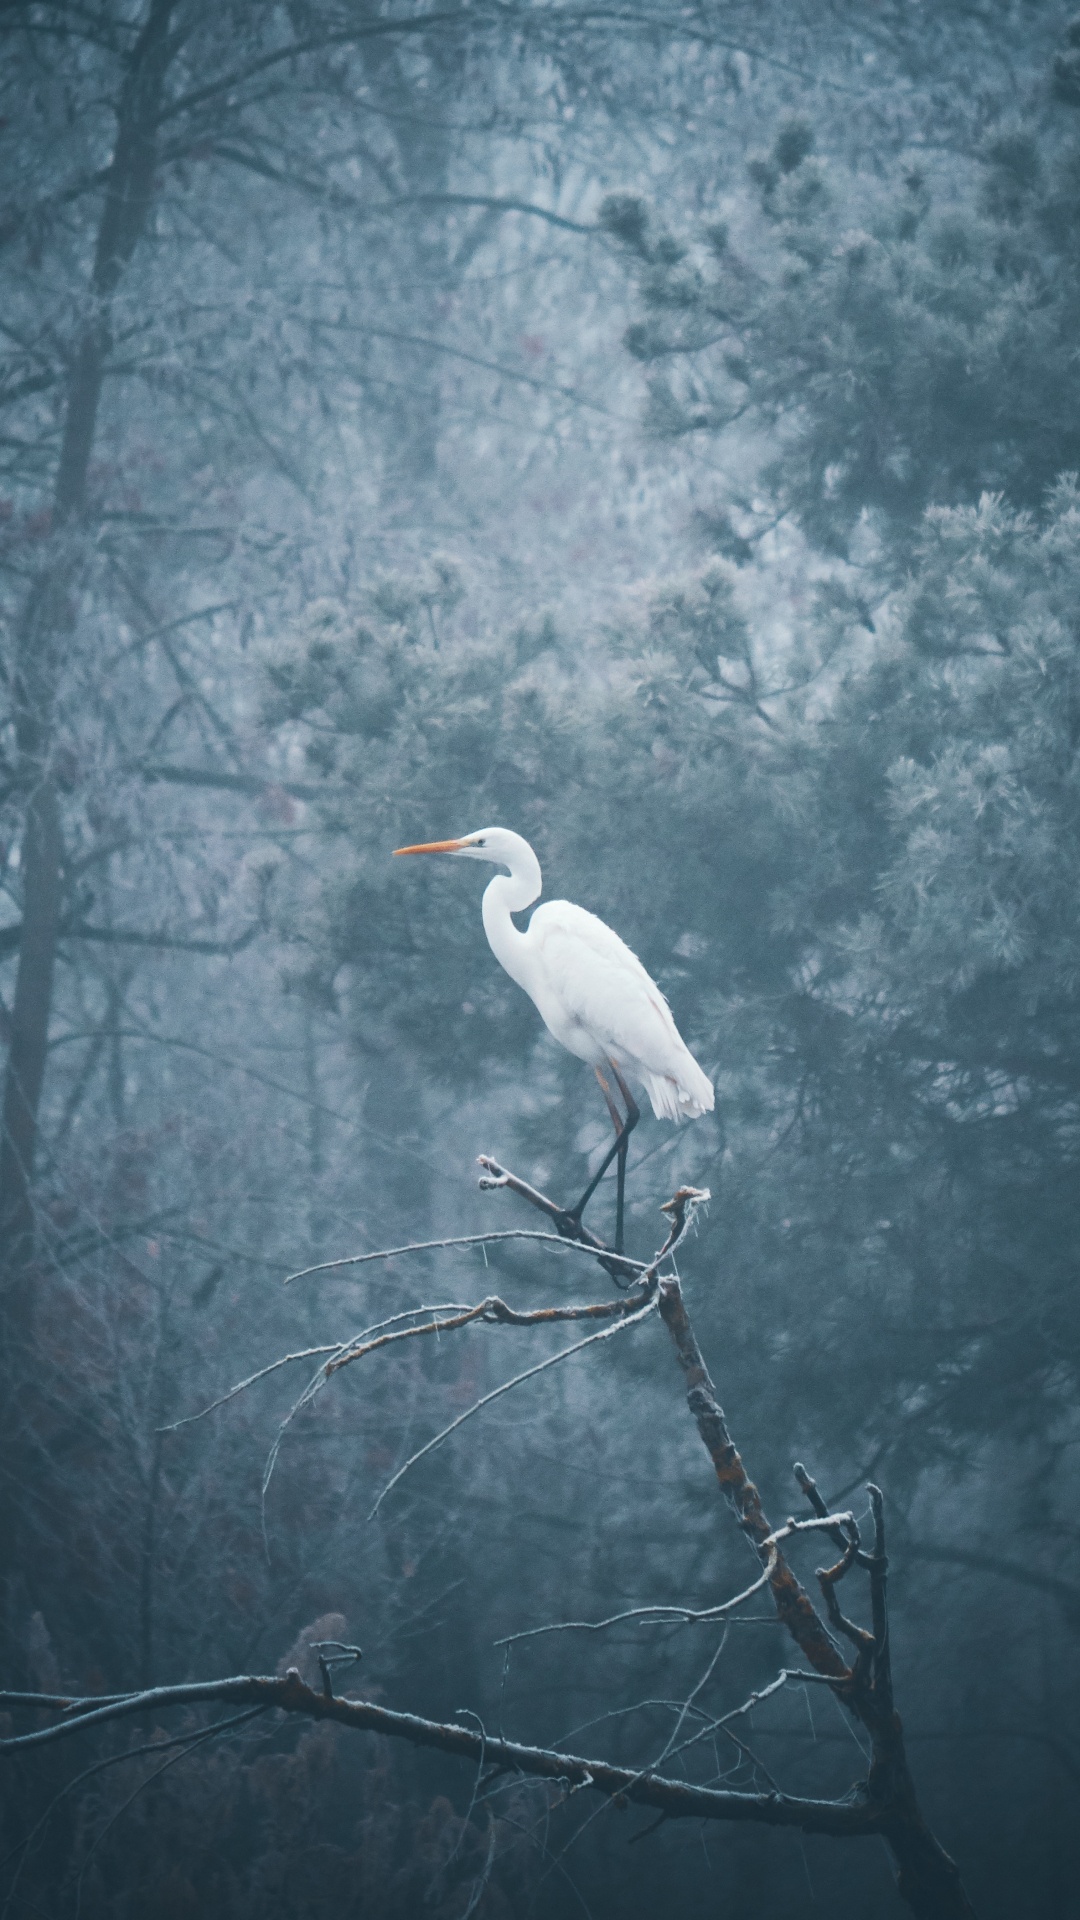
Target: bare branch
885,1804
494,1311
687,1615
343,201
793,1604
530,1373
169,942
459,1240
681,1209
879,1566
495,1176
810,1488
679,1799
1066,1592
304,1353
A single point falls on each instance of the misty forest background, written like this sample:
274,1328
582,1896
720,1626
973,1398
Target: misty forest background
654,429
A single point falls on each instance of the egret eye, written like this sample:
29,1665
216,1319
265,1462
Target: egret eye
479,843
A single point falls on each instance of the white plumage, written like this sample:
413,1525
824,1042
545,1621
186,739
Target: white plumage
592,993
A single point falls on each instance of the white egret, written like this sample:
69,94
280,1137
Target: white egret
592,993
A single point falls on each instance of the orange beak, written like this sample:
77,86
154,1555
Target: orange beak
433,846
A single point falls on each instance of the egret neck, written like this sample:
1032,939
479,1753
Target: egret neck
511,893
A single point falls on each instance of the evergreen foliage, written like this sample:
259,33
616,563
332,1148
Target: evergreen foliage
372,549
850,861
910,339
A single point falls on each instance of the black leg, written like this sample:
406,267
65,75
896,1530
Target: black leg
618,1150
574,1213
620,1189
633,1115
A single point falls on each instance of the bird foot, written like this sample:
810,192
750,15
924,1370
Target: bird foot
566,1221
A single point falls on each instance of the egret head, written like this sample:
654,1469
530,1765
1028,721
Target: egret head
497,844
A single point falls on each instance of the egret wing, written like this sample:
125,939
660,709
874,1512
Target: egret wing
602,987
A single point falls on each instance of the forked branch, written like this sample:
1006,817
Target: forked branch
927,1878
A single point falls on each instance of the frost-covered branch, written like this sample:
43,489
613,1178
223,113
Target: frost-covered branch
685,1615
678,1799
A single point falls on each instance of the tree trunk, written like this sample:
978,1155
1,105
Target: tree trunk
926,1878
48,618
41,866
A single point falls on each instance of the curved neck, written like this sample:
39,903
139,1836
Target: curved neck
509,893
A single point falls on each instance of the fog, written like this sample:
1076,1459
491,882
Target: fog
655,431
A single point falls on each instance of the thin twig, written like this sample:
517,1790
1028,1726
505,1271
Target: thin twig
757,1765
304,1353
460,1240
630,1320
185,1740
688,1616
188,1746
315,1384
